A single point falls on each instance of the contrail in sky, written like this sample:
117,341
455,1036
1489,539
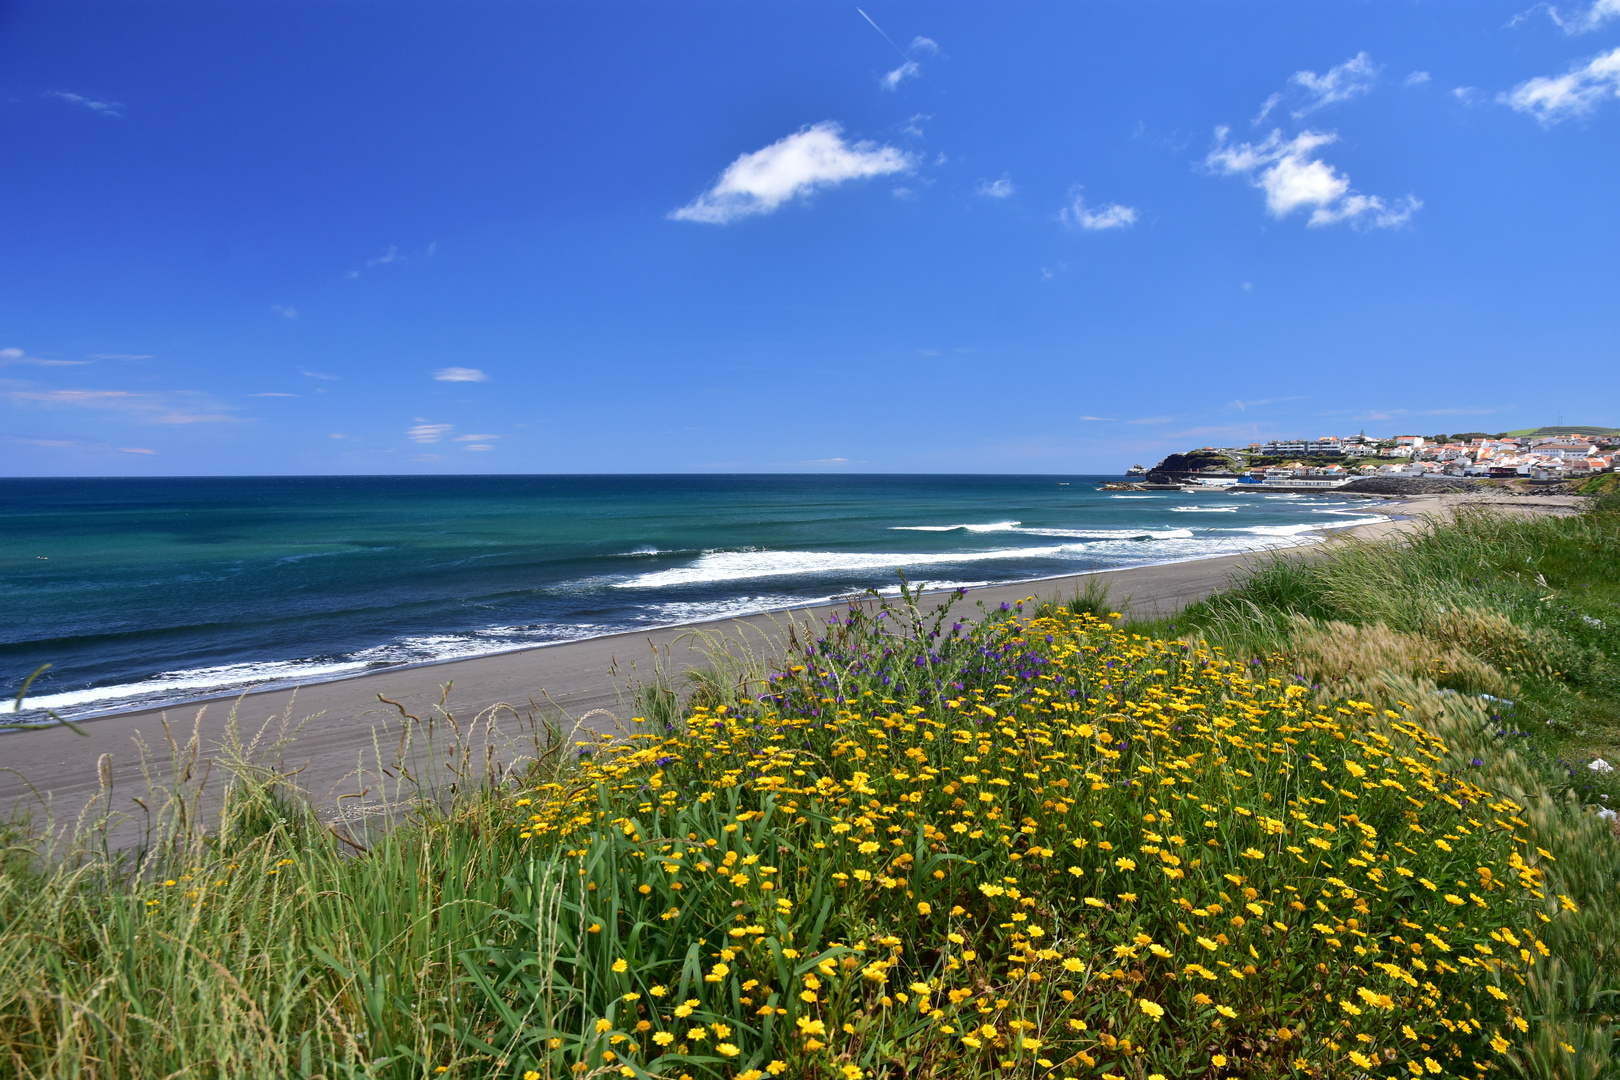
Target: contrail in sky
886,37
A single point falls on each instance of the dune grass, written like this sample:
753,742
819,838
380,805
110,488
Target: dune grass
1524,608
1032,843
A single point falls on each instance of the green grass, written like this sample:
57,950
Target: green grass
1534,599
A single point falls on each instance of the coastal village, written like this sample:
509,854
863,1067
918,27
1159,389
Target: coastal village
1544,455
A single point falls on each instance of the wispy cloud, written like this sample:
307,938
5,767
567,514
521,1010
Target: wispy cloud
460,374
815,157
424,432
393,255
476,438
316,374
996,189
1552,99
8,357
1077,215
135,450
908,70
1583,21
1245,406
284,311
1417,78
1350,79
1293,178
120,356
105,108
177,407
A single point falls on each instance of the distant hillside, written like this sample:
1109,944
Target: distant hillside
1567,429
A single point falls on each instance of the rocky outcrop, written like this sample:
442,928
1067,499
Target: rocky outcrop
1407,485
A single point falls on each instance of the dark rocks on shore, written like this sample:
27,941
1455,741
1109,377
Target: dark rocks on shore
1407,485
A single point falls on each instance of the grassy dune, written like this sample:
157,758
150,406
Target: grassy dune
1036,843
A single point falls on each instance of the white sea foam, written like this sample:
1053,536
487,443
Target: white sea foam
1204,509
1136,496
1113,534
745,565
994,526
230,678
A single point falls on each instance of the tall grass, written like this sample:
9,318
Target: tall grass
263,941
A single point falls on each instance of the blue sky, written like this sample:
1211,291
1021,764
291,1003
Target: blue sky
1047,237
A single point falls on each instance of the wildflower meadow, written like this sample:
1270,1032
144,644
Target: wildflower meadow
1033,847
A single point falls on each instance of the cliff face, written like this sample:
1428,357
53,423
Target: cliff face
1194,461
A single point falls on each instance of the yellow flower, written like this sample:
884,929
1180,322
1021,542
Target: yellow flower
727,1050
923,908
1208,944
1219,1061
1361,1060
1125,864
663,1038
604,1025
1226,1011
620,966
1152,1009
1071,964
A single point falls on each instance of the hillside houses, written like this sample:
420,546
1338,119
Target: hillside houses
1547,457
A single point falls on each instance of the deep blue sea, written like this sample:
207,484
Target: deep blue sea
157,591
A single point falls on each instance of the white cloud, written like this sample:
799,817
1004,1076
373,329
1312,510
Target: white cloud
1077,215
1554,98
17,356
815,157
392,255
284,311
272,393
428,433
1467,95
923,44
135,450
105,108
1294,178
478,446
120,356
1350,79
1592,18
316,374
460,374
1417,78
179,407
908,70
476,438
996,189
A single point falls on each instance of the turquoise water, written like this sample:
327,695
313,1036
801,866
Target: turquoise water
163,590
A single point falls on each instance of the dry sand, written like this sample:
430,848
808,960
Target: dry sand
348,735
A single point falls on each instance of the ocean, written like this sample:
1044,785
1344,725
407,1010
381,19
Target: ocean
143,592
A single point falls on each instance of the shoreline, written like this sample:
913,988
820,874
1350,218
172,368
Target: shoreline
147,705
345,725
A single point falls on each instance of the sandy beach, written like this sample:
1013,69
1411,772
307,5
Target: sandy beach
348,736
